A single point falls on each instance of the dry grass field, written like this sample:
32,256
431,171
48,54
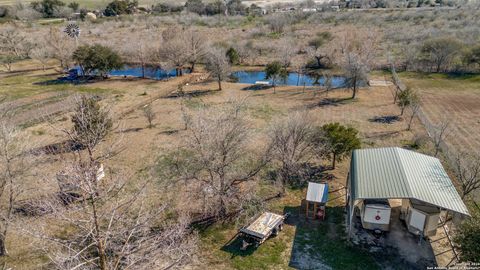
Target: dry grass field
143,145
43,106
456,100
85,3
103,3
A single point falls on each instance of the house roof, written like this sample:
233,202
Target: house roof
399,173
317,192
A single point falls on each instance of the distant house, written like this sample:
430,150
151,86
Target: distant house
419,181
309,10
335,8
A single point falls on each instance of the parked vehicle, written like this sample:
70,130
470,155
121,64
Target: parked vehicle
266,225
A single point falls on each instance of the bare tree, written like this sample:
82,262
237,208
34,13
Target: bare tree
439,133
467,169
8,60
14,168
115,227
440,52
91,124
218,65
11,40
410,55
398,85
61,46
318,50
149,114
356,72
278,22
42,55
414,109
217,156
298,65
246,51
291,144
357,48
175,52
139,51
196,47
113,224
328,82
285,51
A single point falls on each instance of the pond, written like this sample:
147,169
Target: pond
151,72
293,79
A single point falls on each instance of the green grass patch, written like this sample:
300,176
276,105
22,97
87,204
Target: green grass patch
451,82
195,103
327,240
444,76
38,132
323,242
269,255
265,112
25,85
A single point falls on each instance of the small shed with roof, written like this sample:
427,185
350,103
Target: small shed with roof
317,196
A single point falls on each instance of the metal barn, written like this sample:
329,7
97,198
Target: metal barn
380,174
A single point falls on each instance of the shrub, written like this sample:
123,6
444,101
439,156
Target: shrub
233,56
166,7
47,8
235,7
214,8
96,58
440,52
4,11
472,56
337,141
195,6
74,6
120,7
468,237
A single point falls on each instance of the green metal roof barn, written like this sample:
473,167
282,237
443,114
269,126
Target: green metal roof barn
396,173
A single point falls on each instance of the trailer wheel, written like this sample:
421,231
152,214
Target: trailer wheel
280,227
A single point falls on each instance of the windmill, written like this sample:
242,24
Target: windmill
73,31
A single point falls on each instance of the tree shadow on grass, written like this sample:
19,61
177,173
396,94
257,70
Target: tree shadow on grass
328,102
382,134
233,246
65,80
323,245
67,146
386,119
128,130
169,132
257,87
194,93
307,172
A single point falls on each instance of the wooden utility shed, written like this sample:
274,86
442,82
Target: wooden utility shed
317,196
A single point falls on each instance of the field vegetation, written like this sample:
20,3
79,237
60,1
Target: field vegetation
118,172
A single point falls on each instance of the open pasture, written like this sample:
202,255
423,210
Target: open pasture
455,100
297,246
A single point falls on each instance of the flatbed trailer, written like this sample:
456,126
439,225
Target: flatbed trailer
261,229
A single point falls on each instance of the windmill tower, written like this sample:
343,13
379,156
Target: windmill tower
73,31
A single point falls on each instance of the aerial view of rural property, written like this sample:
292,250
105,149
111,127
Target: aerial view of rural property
239,134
